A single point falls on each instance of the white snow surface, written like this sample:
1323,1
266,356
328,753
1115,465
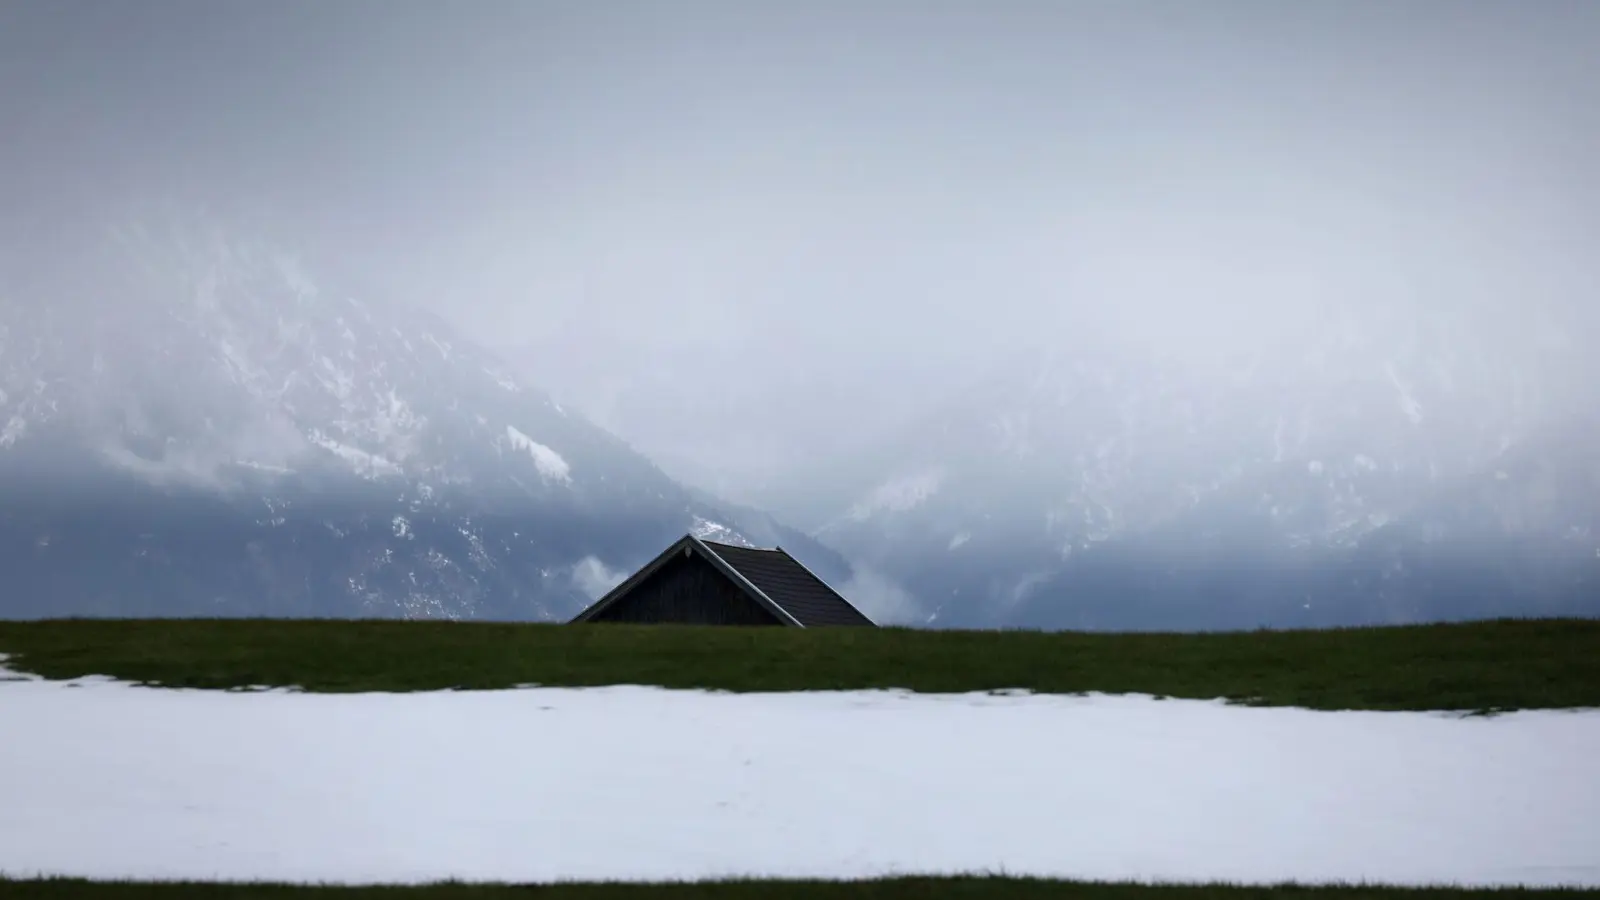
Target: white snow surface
107,780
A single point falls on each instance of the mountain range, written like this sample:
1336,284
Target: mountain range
1380,466
193,423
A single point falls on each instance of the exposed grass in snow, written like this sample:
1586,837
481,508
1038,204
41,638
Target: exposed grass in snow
1499,665
974,888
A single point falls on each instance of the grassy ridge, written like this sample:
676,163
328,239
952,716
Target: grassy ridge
886,889
1477,666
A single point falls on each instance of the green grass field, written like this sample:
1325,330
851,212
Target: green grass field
887,889
1499,665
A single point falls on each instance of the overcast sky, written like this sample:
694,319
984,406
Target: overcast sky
767,220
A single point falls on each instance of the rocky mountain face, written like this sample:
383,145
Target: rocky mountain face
1383,466
190,424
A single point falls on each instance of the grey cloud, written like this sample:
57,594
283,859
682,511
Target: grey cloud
746,235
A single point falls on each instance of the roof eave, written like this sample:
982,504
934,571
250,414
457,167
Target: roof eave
822,581
698,546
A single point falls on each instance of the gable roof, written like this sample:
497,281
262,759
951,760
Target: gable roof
772,578
789,584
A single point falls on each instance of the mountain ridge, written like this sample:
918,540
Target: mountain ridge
1058,488
190,424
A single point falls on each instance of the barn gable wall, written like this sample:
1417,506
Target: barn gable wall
687,590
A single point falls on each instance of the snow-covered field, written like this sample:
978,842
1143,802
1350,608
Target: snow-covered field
103,779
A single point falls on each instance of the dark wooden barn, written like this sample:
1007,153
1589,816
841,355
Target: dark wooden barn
696,582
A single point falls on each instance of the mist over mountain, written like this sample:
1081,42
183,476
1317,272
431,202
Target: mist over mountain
191,424
1380,464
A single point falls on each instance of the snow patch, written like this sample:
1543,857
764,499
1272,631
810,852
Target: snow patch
707,530
549,463
503,381
368,465
1408,400
337,381
1246,795
899,494
441,346
240,369
263,467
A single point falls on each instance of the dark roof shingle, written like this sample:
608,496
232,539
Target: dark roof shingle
790,585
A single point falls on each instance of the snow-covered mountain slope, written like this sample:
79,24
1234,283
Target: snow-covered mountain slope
1377,468
191,424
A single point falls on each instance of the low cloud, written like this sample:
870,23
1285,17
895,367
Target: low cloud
882,599
594,578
